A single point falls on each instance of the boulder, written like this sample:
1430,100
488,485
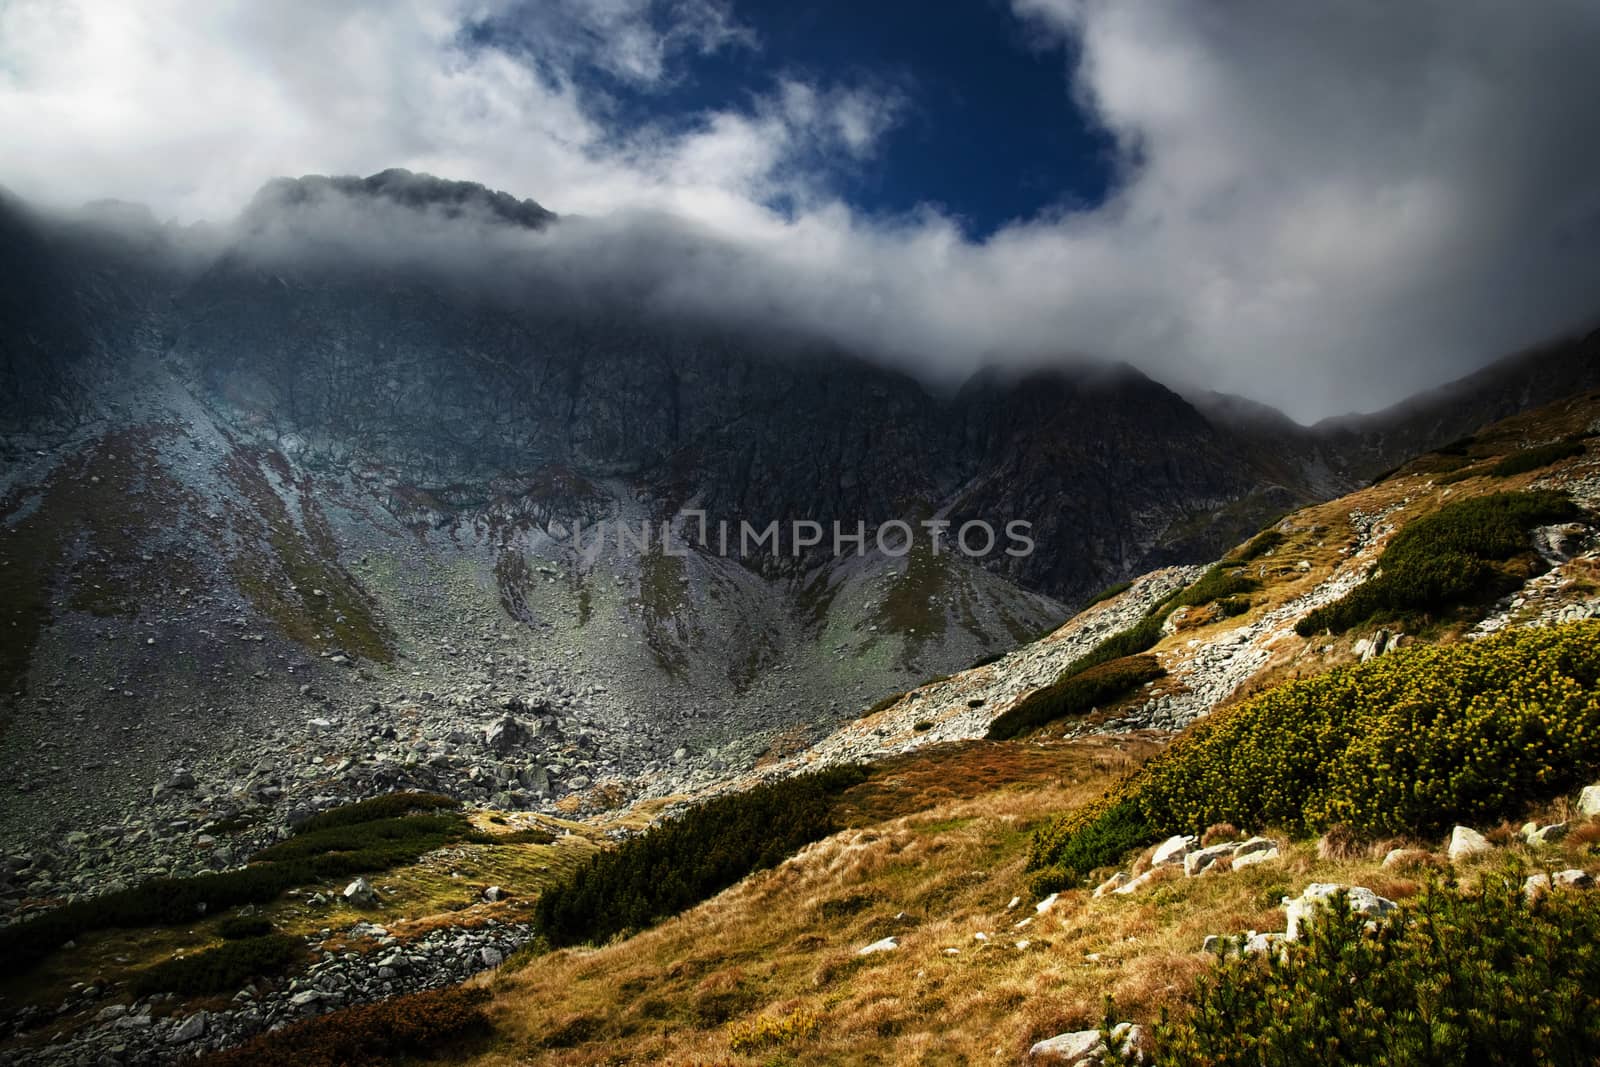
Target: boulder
1304,908
491,956
1250,859
1574,879
1197,861
1255,844
888,944
1172,851
1112,884
1402,858
1046,904
1589,801
1547,835
1084,1048
191,1029
505,734
1536,885
360,893
1150,877
1466,842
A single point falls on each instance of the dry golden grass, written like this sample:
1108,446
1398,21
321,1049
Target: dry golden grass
784,944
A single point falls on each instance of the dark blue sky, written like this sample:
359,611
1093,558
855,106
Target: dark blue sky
989,132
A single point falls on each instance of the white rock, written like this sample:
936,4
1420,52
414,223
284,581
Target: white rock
1261,944
1196,862
888,944
191,1029
1250,859
1546,835
1303,909
1084,1048
1046,904
360,892
1589,800
1536,885
1112,884
1172,850
1014,902
1465,842
1574,879
1155,874
1255,844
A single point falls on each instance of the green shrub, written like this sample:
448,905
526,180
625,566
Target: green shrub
312,856
1107,593
1487,978
1260,545
388,806
399,1029
1231,606
240,927
378,843
1408,743
1531,459
1223,580
1137,638
677,864
1075,694
219,970
1443,560
1116,831
885,704
984,661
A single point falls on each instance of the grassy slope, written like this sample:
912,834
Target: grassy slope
784,942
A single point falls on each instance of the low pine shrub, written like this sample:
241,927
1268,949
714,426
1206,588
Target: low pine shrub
679,863
1488,978
1075,694
1408,743
1219,582
400,1029
240,927
1260,545
388,806
1443,560
1107,593
220,970
1531,459
768,1031
318,854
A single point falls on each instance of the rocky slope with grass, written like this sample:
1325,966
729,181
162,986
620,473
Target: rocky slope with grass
264,554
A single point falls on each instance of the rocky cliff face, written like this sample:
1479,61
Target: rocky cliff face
332,455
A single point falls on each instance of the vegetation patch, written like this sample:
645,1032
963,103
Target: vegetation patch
387,806
681,862
1409,743
222,969
1075,694
317,854
1488,977
1444,560
1531,459
1259,545
393,1030
767,1031
1107,593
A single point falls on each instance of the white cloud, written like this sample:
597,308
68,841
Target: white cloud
1321,206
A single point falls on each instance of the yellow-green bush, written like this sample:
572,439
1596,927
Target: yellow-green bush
1444,560
1487,978
1410,742
1075,694
767,1031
